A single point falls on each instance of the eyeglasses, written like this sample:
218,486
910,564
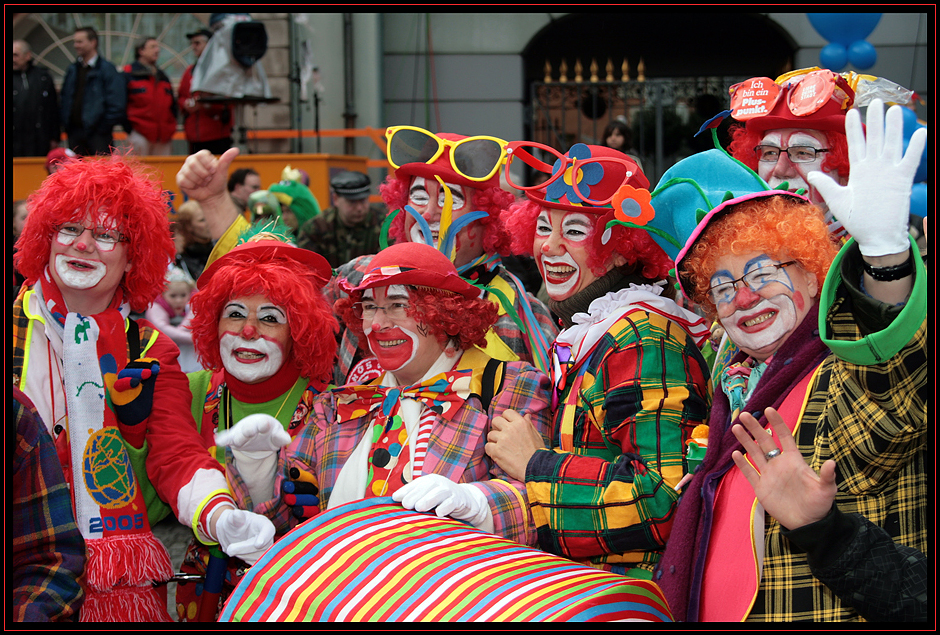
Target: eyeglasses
474,158
797,154
367,310
105,239
725,291
528,151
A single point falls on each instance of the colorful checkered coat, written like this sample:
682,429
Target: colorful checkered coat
455,450
610,502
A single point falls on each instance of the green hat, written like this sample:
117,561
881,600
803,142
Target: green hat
290,191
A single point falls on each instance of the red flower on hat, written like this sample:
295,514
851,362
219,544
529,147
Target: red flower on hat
632,205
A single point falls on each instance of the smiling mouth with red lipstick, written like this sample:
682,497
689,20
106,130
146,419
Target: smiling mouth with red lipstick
392,348
558,273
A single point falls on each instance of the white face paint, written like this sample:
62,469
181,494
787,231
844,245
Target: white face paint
420,197
250,361
254,338
79,273
784,170
760,320
562,248
401,346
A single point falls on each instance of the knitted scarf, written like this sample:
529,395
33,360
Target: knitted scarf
124,557
680,569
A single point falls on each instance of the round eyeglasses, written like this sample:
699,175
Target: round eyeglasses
105,239
725,291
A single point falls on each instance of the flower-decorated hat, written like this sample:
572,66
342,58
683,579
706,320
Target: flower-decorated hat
262,241
589,180
413,264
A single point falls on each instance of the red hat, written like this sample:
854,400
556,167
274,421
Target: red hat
413,264
601,180
316,265
58,155
443,168
814,99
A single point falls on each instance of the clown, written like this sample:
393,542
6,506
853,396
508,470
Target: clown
264,331
834,348
417,432
795,126
628,381
445,193
95,246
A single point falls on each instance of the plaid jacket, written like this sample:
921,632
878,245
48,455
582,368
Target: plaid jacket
610,501
505,328
870,419
455,450
48,551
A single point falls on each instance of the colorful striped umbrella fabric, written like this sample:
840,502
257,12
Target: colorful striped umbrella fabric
372,560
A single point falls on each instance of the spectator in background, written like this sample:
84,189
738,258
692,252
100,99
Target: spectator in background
349,229
241,184
208,126
35,106
617,135
48,555
197,243
57,156
94,97
171,314
151,107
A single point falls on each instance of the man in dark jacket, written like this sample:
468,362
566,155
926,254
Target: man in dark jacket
35,106
94,97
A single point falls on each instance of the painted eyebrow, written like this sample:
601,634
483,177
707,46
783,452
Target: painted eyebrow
271,307
579,222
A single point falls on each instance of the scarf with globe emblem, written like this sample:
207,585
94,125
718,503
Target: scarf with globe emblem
124,557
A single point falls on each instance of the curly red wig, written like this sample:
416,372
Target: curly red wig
779,226
492,200
634,245
743,143
115,191
278,278
447,316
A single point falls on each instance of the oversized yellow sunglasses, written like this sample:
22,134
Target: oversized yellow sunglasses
474,158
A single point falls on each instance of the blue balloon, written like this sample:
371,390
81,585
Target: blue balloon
910,125
862,55
844,28
919,200
834,57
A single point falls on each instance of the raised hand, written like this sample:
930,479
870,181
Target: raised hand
785,485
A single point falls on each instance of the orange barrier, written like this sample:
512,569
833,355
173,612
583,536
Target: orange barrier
28,172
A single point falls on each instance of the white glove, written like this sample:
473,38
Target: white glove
875,205
256,436
462,501
244,534
255,441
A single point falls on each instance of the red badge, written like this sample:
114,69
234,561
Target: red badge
754,98
364,372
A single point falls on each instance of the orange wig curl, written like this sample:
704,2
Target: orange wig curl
779,226
447,316
117,192
282,282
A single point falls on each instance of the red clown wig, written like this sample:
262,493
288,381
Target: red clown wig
779,226
284,281
447,316
116,192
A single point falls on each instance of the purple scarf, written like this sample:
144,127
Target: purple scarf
679,572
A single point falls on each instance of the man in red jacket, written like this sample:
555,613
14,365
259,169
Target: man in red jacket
151,107
208,126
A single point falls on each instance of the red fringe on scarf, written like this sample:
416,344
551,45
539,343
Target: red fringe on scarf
119,572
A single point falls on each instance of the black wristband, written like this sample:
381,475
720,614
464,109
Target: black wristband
887,274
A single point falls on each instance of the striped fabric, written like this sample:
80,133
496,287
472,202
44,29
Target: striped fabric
372,560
